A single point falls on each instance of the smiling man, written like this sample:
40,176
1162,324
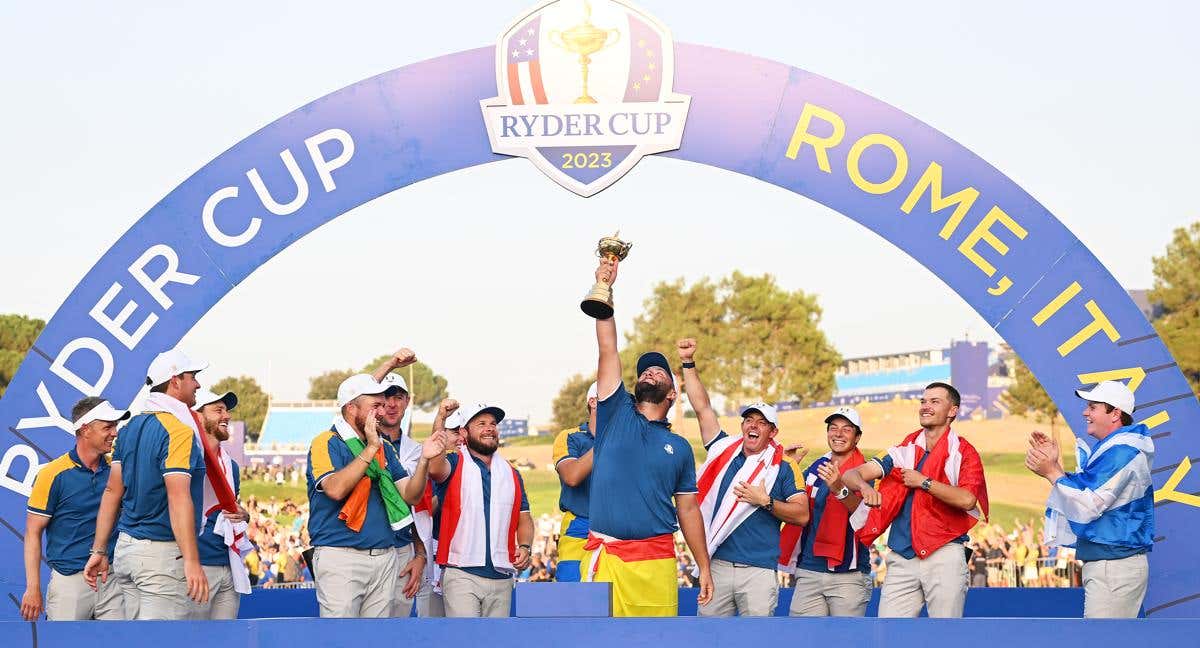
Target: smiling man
746,491
833,566
156,486
933,491
486,529
643,484
66,494
225,586
1106,510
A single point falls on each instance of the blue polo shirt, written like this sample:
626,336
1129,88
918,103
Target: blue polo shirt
851,561
213,551
150,447
327,455
900,536
756,540
488,570
68,492
639,467
573,444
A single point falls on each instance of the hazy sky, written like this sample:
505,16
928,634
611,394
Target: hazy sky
1088,106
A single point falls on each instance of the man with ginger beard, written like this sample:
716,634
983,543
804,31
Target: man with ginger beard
486,529
224,599
359,496
643,483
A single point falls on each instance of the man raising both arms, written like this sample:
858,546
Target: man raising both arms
639,465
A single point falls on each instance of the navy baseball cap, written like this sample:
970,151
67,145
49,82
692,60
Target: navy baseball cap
654,359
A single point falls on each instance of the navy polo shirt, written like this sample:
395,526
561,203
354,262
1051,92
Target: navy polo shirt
213,551
756,540
816,505
900,537
327,455
488,570
150,447
68,492
573,444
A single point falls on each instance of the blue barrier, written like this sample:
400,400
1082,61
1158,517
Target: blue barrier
605,633
554,599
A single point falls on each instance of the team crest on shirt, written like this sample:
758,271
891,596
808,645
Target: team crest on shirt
669,449
585,91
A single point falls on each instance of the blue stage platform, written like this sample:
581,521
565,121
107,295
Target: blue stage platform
605,633
981,602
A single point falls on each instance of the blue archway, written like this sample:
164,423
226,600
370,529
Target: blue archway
992,243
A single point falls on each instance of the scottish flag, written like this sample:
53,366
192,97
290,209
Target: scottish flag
1110,501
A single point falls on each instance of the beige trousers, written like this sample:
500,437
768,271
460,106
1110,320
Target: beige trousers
746,590
355,583
69,598
829,594
1114,589
938,582
468,595
150,574
223,601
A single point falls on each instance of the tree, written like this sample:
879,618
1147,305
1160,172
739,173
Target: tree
1177,290
1026,397
570,406
757,340
773,346
252,402
674,311
325,386
17,334
426,387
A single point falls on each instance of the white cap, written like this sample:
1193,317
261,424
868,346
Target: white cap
848,413
102,412
394,380
768,412
471,411
205,397
358,385
455,420
169,364
1112,392
593,392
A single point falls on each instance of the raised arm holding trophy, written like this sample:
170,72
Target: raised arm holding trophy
599,302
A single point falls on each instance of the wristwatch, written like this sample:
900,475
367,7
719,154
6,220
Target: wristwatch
844,493
927,484
770,507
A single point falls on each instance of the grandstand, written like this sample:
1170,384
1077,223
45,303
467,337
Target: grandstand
979,372
287,431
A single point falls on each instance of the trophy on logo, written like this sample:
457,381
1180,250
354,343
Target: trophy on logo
584,39
599,302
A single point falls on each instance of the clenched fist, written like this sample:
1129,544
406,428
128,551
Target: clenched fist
686,348
402,358
607,272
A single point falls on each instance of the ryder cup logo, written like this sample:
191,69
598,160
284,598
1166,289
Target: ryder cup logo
585,91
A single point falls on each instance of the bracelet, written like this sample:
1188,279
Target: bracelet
689,365
366,461
526,547
98,552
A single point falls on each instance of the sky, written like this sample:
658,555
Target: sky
1088,106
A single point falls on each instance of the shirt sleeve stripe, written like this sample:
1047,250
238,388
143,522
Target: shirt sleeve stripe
39,497
180,443
319,458
561,450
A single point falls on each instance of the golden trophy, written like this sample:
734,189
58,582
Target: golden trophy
599,302
584,39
